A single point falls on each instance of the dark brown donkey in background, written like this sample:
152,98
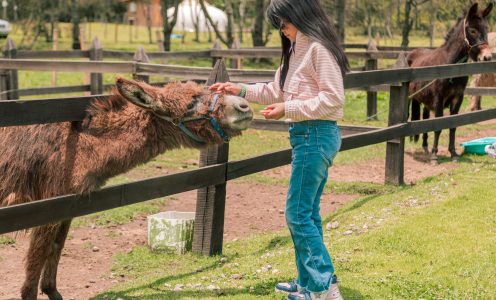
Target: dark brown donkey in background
467,39
132,126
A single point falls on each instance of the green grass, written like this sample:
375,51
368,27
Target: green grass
6,240
434,240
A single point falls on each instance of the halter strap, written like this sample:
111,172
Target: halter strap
466,39
180,123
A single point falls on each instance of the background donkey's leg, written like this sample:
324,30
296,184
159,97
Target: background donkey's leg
49,279
438,110
454,109
425,135
41,244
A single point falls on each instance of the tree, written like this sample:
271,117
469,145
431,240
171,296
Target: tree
228,40
148,16
76,43
241,18
408,21
341,11
260,32
168,26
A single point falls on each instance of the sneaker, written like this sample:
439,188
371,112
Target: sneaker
306,295
287,287
332,294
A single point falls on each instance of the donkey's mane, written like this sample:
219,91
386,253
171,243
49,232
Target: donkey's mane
452,30
114,102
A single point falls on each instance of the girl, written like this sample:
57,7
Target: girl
307,90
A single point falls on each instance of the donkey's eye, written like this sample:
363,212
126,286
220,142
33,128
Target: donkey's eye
473,31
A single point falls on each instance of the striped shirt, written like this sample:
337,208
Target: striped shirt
313,88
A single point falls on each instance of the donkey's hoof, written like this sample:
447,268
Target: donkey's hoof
434,160
426,150
455,158
53,295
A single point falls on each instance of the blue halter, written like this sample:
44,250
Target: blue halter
180,123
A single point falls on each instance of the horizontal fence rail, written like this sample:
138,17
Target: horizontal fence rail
52,54
28,215
126,55
68,66
469,91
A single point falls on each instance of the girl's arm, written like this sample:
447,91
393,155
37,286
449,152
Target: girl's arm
265,93
330,97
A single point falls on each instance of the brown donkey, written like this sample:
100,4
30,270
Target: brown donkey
135,124
467,39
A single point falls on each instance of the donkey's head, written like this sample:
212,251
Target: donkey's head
203,118
475,32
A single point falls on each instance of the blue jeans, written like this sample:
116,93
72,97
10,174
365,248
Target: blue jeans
315,143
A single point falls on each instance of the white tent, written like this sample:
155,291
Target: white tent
190,12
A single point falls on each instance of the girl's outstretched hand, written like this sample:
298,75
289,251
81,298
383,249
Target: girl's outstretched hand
274,111
226,87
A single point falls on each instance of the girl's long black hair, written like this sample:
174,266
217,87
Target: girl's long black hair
309,18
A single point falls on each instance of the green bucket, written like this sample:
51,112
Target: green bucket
477,146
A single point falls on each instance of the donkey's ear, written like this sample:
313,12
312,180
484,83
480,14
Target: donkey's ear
136,92
488,10
474,9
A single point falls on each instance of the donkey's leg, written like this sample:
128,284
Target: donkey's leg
438,113
454,109
41,244
425,135
49,279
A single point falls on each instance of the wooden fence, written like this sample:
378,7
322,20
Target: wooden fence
9,82
215,168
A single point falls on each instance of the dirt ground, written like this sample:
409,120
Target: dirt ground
85,270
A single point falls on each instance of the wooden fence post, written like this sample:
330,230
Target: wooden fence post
236,62
216,46
210,206
140,56
10,79
96,79
370,65
3,85
398,113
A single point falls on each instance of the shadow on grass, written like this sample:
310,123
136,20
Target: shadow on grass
276,242
261,289
350,294
359,203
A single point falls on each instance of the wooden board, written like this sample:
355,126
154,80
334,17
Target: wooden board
18,112
45,211
52,54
